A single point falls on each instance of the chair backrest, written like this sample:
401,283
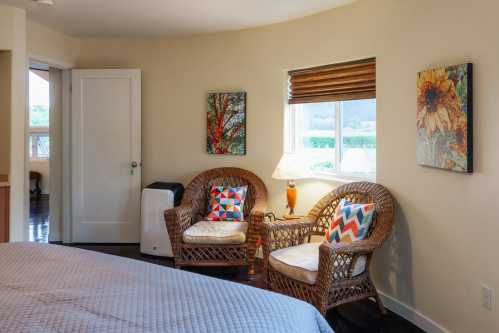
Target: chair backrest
33,175
34,179
359,192
197,192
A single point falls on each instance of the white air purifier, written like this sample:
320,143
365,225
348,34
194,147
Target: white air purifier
154,239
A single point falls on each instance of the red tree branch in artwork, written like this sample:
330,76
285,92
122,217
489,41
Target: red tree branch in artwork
222,108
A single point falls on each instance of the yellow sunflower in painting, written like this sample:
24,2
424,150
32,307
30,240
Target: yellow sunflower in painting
438,103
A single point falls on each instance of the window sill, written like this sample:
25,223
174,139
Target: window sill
345,177
38,129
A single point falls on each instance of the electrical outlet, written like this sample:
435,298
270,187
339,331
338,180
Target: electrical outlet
487,297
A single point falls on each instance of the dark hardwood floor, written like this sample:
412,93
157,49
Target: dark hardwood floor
358,317
39,214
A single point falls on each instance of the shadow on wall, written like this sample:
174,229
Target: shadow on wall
393,262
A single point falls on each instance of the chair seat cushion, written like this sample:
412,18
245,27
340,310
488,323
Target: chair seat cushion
208,232
301,262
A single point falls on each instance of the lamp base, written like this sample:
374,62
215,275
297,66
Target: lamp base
291,197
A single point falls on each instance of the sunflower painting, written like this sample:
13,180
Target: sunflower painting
444,118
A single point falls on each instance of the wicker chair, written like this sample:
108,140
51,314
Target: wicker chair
193,208
336,282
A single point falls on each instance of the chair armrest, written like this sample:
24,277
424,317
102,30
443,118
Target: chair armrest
257,214
177,221
256,218
281,234
337,260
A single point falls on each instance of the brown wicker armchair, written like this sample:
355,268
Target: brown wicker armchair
193,208
337,279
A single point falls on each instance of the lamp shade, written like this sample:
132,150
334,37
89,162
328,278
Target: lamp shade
291,167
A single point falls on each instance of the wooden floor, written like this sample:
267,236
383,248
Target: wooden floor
357,317
39,214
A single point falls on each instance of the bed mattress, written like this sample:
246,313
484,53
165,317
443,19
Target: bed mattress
51,288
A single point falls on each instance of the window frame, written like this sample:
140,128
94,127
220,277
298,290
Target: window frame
33,134
337,174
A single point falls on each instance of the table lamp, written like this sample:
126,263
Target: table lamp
291,167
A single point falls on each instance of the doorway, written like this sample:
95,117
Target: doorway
39,151
101,150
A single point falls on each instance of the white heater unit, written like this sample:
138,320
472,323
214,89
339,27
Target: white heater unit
154,238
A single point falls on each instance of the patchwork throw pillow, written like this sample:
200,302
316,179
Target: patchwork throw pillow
226,203
351,222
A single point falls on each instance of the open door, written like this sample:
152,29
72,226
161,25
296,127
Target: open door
106,155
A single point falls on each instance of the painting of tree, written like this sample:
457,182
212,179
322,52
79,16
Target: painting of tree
226,123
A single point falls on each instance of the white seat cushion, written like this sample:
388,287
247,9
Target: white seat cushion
301,262
209,232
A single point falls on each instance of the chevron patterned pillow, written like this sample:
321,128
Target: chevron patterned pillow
226,203
351,222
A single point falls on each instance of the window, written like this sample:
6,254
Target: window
39,101
331,119
39,146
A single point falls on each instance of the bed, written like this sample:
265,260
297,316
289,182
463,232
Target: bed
51,288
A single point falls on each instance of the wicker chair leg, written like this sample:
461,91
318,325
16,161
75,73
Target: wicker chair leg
321,303
381,307
251,259
322,309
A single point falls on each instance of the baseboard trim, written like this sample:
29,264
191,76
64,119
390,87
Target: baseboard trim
412,315
54,236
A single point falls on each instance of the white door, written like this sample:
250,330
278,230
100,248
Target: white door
106,155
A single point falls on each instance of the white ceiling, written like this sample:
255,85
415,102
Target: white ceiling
134,18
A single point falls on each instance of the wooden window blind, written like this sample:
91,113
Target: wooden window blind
330,83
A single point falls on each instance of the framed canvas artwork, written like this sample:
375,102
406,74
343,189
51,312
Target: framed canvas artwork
445,118
226,125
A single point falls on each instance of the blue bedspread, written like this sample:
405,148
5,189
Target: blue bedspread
50,288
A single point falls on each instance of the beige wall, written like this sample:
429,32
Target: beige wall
50,46
13,38
444,243
25,40
5,109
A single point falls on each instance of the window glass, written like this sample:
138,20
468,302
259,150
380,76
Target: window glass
358,132
43,146
39,99
31,150
39,146
315,134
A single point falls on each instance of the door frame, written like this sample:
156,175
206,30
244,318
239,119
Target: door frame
59,174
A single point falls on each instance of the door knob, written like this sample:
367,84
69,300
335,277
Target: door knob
133,165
